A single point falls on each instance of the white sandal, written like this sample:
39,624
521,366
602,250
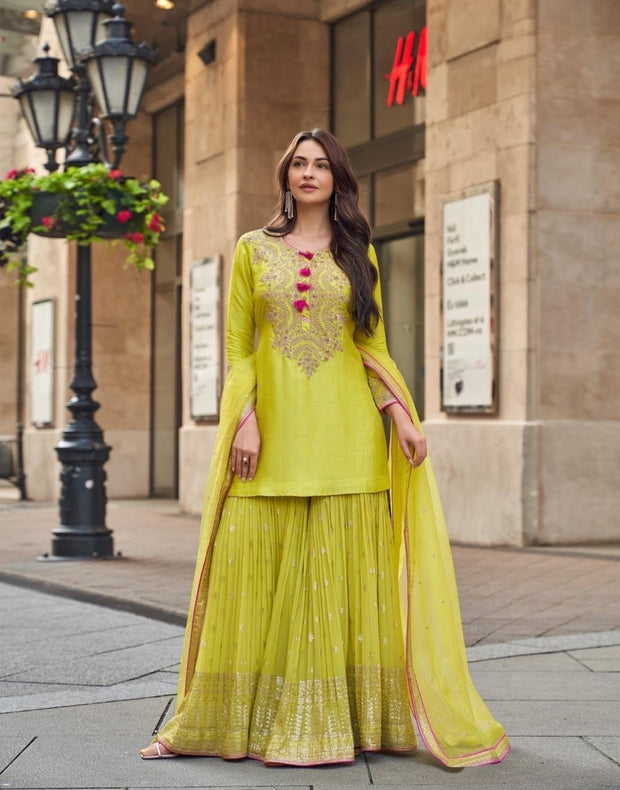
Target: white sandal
161,755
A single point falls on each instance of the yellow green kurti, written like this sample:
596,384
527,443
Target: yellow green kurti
320,429
294,650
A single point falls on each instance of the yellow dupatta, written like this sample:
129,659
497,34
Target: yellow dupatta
239,389
452,719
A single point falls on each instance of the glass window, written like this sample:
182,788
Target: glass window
401,262
397,37
351,79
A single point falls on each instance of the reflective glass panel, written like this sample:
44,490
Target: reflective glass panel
397,36
401,263
351,79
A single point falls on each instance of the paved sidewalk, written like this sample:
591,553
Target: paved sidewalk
83,686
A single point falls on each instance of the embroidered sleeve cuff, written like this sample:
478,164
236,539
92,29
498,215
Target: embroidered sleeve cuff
382,396
248,409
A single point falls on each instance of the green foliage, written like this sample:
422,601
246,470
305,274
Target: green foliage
89,197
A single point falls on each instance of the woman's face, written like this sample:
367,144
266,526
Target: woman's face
310,177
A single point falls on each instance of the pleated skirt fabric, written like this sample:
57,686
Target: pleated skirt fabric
301,658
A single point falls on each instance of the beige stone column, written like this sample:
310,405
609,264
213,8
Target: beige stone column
576,375
9,293
480,126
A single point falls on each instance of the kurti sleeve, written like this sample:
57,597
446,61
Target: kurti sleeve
383,396
240,322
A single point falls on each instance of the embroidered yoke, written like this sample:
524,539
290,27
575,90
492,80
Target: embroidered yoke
308,371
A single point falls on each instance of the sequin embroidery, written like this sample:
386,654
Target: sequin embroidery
309,334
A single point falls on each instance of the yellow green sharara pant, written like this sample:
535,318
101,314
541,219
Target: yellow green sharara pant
301,658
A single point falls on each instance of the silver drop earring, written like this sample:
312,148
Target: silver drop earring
335,210
289,206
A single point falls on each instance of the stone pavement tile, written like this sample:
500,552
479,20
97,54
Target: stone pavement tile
112,760
412,785
544,662
602,659
10,747
543,644
18,657
562,718
526,684
108,668
535,627
16,689
132,716
546,762
91,695
477,631
62,617
584,625
609,747
603,665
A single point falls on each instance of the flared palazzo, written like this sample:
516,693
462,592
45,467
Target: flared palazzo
301,657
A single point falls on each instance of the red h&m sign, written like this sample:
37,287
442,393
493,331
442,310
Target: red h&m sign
408,73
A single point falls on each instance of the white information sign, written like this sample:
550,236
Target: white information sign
468,239
205,338
42,364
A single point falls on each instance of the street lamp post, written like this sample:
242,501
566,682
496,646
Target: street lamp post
112,73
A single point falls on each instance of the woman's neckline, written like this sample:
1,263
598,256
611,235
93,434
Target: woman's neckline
304,252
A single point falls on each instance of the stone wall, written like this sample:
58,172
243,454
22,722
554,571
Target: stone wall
9,294
575,247
480,126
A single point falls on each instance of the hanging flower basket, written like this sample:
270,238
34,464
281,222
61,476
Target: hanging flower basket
85,204
48,204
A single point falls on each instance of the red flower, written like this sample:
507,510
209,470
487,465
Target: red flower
12,174
115,174
155,224
305,271
300,305
137,237
48,222
303,287
124,216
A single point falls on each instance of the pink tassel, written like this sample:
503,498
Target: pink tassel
303,287
308,255
305,271
300,305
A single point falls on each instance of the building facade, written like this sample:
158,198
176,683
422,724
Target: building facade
444,106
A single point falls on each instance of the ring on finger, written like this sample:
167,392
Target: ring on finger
245,459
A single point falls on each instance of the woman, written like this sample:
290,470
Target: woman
294,650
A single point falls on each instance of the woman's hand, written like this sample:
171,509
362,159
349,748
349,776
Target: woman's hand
246,449
408,435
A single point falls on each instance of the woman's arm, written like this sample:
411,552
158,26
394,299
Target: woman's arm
409,438
240,332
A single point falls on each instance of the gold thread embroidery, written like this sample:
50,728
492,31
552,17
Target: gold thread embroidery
314,336
380,393
237,714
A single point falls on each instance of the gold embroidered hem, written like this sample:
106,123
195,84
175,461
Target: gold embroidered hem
328,721
301,653
302,723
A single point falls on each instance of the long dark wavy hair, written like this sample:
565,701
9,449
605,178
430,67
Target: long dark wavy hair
350,233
